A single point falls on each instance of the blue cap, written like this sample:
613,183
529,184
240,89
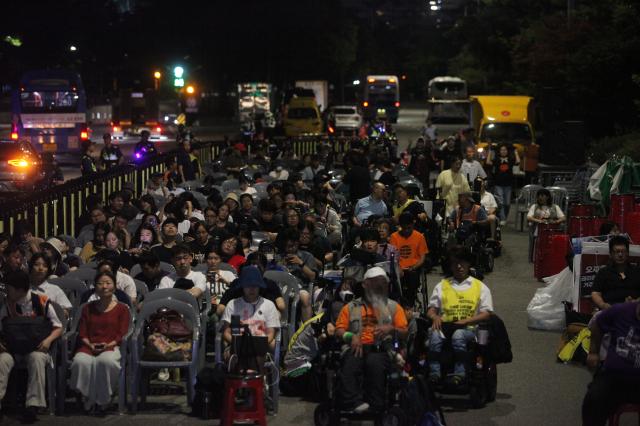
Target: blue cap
250,276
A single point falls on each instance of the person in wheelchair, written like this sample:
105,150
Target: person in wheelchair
467,218
369,325
456,306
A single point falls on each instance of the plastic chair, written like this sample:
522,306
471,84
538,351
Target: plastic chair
290,287
164,266
69,346
73,288
90,265
614,419
230,185
256,412
87,275
526,198
137,345
133,225
201,267
141,289
226,267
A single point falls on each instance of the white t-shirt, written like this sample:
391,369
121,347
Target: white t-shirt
258,316
486,301
544,212
283,175
26,307
55,294
250,190
488,201
218,288
198,278
184,227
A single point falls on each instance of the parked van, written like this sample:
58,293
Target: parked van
302,117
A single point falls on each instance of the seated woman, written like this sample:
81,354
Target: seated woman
90,249
231,250
103,325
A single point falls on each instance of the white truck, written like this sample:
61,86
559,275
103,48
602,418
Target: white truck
448,103
320,90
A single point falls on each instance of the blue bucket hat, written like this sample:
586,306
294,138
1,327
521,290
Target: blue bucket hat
250,276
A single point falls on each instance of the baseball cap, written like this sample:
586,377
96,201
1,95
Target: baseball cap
375,272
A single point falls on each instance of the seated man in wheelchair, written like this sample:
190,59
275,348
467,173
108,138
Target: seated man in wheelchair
467,218
370,326
456,306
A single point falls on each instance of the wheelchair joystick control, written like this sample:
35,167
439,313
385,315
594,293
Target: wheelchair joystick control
483,336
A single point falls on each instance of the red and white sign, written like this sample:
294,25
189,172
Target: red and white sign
586,265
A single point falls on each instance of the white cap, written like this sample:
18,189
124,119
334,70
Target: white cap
376,271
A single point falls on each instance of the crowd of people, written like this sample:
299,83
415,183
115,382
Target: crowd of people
273,211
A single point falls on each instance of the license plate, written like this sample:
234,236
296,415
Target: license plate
49,147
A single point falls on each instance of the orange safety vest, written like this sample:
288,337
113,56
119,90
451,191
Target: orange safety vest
472,215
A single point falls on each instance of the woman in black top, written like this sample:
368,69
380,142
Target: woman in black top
201,244
502,161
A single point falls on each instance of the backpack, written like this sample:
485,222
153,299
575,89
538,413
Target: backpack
23,335
419,403
209,388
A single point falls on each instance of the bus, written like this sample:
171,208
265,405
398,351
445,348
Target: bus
381,97
49,109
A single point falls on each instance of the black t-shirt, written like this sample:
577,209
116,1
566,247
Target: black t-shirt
200,250
152,283
163,253
359,182
272,292
387,179
503,171
319,247
447,156
613,288
184,159
272,226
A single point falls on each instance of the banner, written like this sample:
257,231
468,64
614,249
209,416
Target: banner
586,265
52,120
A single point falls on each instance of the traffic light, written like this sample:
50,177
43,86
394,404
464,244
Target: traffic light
178,73
156,80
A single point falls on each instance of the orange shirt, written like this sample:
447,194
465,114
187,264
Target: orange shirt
369,322
411,249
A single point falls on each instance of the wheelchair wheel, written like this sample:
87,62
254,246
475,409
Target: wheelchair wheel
393,417
325,415
492,383
477,394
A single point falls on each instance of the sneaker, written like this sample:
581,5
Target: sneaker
361,408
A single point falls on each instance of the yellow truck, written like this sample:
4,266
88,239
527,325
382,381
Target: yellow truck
503,119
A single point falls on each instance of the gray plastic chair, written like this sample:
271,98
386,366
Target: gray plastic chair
69,345
87,275
141,289
90,265
133,225
73,288
138,341
230,185
559,196
226,267
290,287
201,267
164,266
526,198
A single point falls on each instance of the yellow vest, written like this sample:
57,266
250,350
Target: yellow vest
457,305
397,210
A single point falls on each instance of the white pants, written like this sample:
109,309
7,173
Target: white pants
37,371
96,377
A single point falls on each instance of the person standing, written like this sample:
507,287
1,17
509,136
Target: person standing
501,163
110,156
186,168
471,168
88,165
452,183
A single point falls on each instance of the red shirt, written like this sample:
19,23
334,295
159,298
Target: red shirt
102,327
236,261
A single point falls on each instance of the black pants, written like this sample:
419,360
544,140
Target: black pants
410,283
367,372
605,394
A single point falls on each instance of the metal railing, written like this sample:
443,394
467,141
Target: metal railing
56,210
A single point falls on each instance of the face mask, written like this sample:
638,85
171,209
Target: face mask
346,295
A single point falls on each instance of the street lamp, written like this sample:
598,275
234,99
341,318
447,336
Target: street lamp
190,89
157,75
156,80
73,48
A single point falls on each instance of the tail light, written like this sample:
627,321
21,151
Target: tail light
331,129
14,136
159,129
19,162
365,104
397,104
116,129
84,135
